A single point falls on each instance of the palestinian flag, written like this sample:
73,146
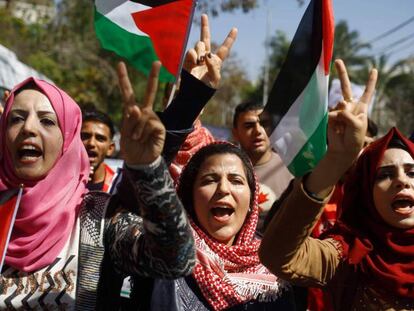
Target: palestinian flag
298,101
143,31
9,203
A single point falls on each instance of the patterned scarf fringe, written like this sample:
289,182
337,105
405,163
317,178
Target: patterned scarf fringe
260,292
252,290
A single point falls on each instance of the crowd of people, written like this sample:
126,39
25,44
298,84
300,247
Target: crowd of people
192,223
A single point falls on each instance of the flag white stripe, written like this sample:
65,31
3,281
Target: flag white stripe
119,12
289,138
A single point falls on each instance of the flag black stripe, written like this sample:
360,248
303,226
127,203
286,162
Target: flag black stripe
300,64
153,3
7,195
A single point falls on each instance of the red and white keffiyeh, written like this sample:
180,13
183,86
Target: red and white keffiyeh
198,138
231,275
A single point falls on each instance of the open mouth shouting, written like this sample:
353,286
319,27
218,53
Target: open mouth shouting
222,213
403,204
29,153
93,155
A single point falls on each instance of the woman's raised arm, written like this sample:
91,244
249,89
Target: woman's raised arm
286,249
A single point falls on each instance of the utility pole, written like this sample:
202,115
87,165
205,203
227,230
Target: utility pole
267,65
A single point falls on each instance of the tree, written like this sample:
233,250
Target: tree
67,51
394,100
278,46
233,87
400,101
214,7
348,47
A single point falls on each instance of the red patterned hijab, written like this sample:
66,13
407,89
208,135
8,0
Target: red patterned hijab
229,276
198,138
384,254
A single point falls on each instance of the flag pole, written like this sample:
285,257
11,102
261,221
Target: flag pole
190,23
172,92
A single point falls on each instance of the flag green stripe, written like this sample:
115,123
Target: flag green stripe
302,121
312,152
138,50
313,106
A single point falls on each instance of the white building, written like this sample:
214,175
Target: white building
32,11
12,71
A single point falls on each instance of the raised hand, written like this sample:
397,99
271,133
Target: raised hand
348,121
346,134
201,62
142,132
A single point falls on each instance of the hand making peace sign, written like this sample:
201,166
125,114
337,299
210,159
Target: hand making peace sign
142,133
346,132
201,62
348,121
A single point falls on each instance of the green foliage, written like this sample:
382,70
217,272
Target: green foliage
68,52
233,90
278,47
47,65
214,7
348,46
395,94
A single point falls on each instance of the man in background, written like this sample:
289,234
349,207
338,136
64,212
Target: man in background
249,130
97,136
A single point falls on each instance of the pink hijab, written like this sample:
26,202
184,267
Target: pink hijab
50,206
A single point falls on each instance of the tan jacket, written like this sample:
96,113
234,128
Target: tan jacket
289,252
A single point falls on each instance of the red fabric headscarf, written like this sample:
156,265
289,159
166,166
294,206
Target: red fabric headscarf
198,138
49,207
384,254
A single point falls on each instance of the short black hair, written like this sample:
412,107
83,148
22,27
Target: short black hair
243,107
92,114
190,171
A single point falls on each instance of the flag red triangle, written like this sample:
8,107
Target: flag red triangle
328,26
8,210
167,26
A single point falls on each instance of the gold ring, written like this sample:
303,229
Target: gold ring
351,99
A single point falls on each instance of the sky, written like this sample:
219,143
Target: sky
370,18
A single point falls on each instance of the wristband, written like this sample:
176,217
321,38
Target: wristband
312,196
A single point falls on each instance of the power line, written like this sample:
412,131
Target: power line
395,43
396,28
404,47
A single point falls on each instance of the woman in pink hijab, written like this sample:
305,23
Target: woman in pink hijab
56,245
